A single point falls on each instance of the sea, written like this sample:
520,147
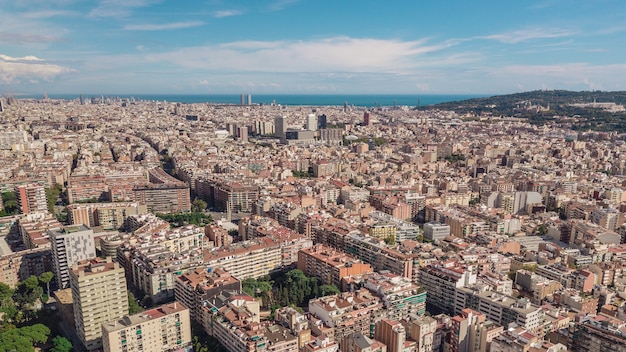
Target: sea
364,100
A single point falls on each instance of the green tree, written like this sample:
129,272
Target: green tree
46,278
542,230
198,206
9,201
51,196
5,291
390,240
530,267
37,333
61,344
27,292
24,339
133,306
327,290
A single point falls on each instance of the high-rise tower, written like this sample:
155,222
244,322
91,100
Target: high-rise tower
366,119
70,245
99,295
311,122
321,122
280,127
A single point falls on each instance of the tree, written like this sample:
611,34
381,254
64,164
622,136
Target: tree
37,333
24,339
542,230
530,267
198,206
133,306
27,292
327,290
61,344
5,291
52,194
46,278
390,240
31,282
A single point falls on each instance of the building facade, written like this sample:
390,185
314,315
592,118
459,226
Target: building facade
99,295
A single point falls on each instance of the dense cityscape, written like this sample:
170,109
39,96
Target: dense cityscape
130,225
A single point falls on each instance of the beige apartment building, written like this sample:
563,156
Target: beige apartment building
99,294
161,329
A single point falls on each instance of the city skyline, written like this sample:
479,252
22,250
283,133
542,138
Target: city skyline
307,47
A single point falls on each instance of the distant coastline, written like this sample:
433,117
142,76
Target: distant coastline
361,100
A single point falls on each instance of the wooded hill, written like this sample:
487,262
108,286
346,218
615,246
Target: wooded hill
548,106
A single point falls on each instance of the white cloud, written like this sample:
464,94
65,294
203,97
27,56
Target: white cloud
15,70
163,26
49,13
227,13
25,58
119,8
281,4
26,38
528,34
338,54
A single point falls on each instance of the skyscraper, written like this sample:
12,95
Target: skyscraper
70,245
280,127
311,122
321,122
366,119
242,133
241,99
249,99
99,296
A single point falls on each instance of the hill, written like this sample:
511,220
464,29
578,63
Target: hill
586,110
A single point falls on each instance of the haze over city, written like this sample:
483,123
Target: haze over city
309,47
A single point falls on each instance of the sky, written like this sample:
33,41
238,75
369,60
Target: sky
310,46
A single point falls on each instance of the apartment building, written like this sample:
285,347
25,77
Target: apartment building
194,286
436,231
598,334
109,216
472,332
253,258
441,281
348,312
99,296
400,296
164,197
31,198
501,309
422,331
166,328
233,318
70,245
392,333
379,255
235,197
330,265
34,230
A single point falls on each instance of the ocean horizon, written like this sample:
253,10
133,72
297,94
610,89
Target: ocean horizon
362,100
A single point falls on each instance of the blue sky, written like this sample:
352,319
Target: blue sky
311,46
